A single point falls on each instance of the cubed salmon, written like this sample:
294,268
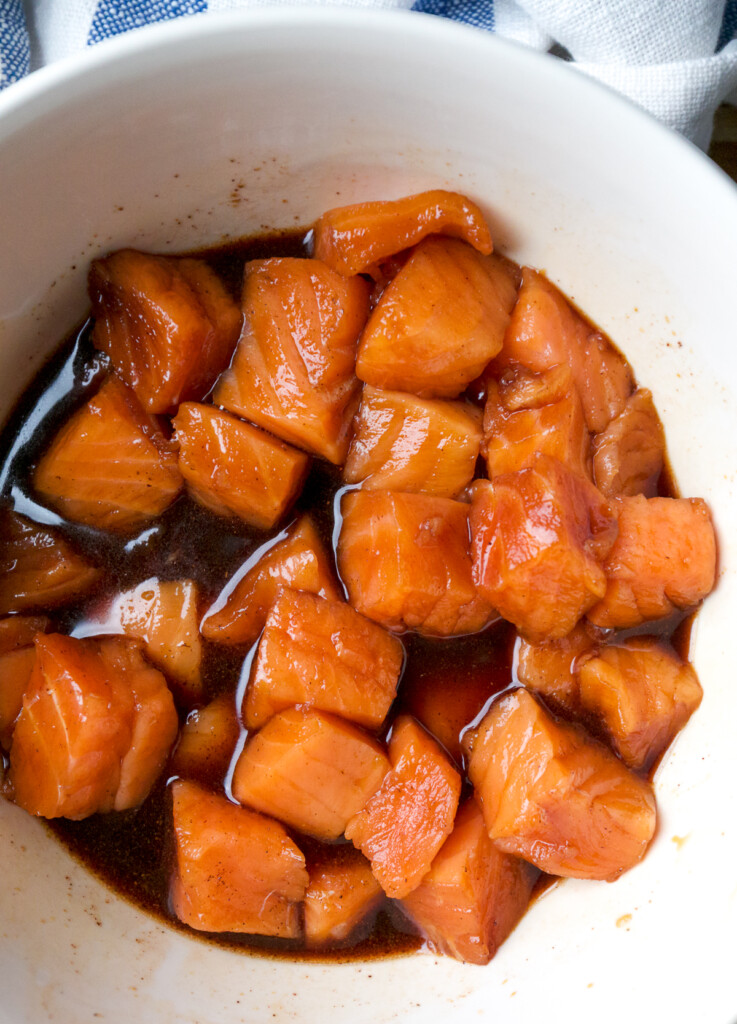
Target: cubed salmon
16,668
298,560
293,372
641,694
527,413
323,654
554,796
164,614
235,469
473,895
353,239
309,769
38,567
236,871
342,896
95,729
20,631
405,561
550,667
438,323
629,454
405,443
537,536
168,325
664,558
409,817
110,466
207,741
545,330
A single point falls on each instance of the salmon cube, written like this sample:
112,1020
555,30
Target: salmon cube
234,469
629,454
236,871
554,796
17,656
353,239
473,895
404,443
168,325
38,568
110,466
664,558
311,770
164,615
95,729
16,667
342,897
527,413
298,560
545,330
405,561
550,667
641,694
293,372
536,539
322,654
438,323
409,817
207,741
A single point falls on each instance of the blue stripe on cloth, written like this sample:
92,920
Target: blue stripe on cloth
473,12
15,50
729,24
115,16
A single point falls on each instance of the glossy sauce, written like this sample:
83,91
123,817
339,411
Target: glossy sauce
132,851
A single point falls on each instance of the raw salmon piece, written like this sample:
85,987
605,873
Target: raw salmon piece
352,239
664,558
438,323
293,372
536,539
404,443
545,330
235,469
207,741
342,896
629,453
16,667
473,895
110,466
38,568
311,770
405,561
527,413
164,615
168,325
236,871
322,654
550,667
554,796
298,561
20,631
642,694
409,817
96,726
17,656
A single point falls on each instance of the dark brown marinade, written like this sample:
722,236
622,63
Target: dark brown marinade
132,851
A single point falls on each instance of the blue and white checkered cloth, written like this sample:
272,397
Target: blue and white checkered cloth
676,58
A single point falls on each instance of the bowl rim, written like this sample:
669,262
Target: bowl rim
62,80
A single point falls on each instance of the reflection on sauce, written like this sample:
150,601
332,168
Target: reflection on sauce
448,684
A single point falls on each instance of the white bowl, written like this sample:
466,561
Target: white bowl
184,134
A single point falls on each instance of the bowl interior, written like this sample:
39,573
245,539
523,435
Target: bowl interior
204,130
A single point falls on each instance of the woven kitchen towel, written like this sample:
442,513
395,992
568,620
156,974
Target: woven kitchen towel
676,58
